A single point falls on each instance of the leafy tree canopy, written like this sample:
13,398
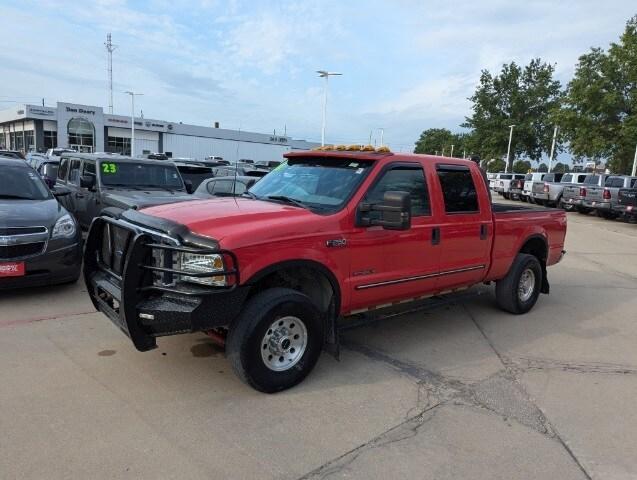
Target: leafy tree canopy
521,166
599,115
522,96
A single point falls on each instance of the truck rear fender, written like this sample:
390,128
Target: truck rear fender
312,279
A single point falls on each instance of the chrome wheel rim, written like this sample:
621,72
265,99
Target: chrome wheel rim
284,343
526,286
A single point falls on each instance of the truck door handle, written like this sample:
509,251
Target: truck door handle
483,231
435,235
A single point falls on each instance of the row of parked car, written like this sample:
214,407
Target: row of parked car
47,201
610,196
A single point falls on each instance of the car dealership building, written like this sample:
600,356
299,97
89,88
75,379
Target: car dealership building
88,128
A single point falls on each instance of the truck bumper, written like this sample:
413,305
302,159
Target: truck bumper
626,210
597,205
576,202
541,196
130,290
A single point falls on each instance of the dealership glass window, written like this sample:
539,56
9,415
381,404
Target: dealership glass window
29,139
118,145
50,139
81,132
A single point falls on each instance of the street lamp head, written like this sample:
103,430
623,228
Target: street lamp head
511,126
325,73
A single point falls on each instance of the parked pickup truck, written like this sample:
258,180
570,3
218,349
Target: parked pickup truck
627,203
97,182
504,182
547,190
573,195
602,198
324,236
529,180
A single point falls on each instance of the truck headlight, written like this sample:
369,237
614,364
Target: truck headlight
197,263
64,227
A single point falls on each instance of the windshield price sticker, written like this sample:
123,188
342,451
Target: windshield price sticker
109,167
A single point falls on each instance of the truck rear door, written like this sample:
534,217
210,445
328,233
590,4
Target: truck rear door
389,265
466,225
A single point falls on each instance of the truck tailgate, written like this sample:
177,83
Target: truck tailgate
594,194
538,187
627,197
571,191
512,228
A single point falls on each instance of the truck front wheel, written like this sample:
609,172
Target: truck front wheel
519,290
276,340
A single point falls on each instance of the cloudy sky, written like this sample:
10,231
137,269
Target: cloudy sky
407,65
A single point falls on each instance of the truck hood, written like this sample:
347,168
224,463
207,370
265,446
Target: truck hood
242,221
30,213
142,198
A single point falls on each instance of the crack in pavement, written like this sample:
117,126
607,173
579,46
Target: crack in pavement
512,369
403,431
531,363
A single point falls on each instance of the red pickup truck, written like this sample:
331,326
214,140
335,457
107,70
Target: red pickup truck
326,235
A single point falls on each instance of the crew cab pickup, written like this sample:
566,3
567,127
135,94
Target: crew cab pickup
573,196
325,236
99,182
546,191
602,198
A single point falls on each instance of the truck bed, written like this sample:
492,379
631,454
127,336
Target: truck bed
513,224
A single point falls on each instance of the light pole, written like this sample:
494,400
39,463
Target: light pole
326,75
506,167
635,163
552,149
452,151
132,120
382,133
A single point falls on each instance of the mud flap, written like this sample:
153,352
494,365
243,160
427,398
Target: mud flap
545,288
332,344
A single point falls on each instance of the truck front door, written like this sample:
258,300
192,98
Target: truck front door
88,198
466,225
390,265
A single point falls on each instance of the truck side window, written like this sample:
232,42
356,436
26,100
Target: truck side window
74,171
458,189
89,169
64,168
403,179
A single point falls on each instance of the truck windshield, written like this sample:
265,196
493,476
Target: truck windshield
316,183
22,183
143,175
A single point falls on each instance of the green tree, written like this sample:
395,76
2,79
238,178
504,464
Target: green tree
543,167
599,117
496,165
521,166
522,96
561,168
440,140
434,140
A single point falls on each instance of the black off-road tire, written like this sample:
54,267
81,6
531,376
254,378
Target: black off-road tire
507,290
247,333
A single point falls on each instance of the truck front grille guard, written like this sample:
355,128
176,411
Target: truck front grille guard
113,258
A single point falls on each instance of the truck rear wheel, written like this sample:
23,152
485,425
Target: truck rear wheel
520,289
276,340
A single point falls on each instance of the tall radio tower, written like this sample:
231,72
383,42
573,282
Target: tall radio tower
109,48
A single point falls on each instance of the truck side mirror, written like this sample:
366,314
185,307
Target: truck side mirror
87,181
395,212
188,185
60,191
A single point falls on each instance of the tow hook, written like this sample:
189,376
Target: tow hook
218,336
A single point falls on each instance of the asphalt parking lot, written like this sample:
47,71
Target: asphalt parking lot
459,391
